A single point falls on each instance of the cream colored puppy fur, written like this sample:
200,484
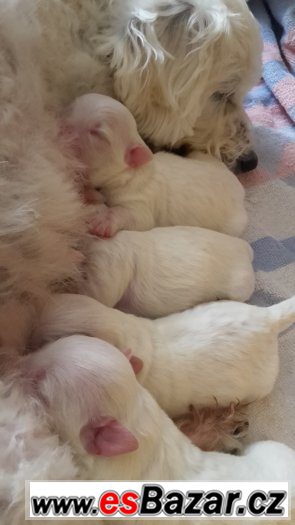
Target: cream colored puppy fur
166,270
217,352
167,191
79,398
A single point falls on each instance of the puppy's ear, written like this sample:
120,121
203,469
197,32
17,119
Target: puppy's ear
107,437
135,362
137,156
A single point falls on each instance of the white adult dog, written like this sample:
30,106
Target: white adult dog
41,215
197,60
182,67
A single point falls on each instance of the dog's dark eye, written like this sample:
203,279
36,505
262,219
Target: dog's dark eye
218,96
183,151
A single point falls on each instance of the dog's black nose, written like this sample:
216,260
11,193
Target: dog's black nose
247,162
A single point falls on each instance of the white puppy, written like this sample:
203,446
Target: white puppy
168,191
83,392
166,270
223,351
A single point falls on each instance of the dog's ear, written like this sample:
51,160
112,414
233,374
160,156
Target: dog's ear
138,155
107,437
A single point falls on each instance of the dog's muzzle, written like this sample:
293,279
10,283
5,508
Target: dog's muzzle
246,162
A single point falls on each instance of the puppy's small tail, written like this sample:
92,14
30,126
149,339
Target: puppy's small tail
282,315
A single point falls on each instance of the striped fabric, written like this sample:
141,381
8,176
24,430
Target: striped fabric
271,202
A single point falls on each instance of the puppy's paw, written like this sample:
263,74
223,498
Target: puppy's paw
215,428
242,428
105,224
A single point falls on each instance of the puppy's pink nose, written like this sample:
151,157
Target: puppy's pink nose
138,156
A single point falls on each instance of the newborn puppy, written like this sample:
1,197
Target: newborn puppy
217,352
168,191
118,431
165,270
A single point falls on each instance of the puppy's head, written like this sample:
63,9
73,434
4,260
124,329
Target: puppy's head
107,138
194,63
89,391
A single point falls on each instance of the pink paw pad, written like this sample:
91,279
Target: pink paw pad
104,225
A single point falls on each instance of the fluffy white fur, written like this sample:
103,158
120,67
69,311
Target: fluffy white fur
101,398
41,216
30,448
167,191
182,68
52,52
224,351
166,270
193,61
